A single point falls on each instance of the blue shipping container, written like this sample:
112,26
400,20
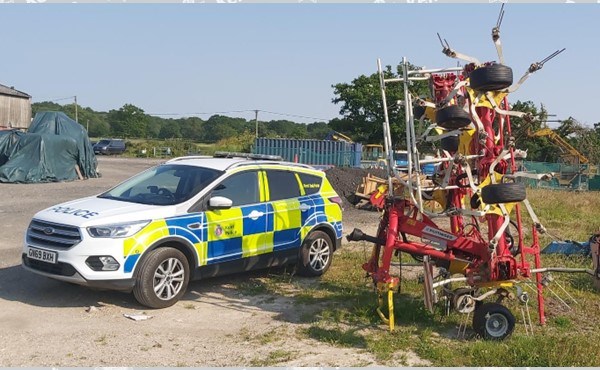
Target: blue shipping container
313,152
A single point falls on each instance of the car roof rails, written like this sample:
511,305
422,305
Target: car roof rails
266,157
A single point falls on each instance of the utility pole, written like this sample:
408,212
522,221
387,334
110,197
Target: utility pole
76,109
256,121
87,128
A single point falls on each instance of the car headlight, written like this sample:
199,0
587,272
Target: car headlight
117,230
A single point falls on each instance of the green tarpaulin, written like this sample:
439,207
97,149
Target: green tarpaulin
50,151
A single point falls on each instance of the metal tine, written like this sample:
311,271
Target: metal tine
567,293
552,56
447,44
441,42
500,17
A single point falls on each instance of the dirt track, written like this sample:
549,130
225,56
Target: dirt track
46,323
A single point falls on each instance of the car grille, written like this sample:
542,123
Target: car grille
60,268
51,235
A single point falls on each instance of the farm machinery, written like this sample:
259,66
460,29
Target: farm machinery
483,248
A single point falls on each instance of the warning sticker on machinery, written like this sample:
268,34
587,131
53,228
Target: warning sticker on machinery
439,233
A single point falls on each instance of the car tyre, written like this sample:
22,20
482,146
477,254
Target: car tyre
162,279
316,254
493,321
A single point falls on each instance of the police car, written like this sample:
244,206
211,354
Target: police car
189,218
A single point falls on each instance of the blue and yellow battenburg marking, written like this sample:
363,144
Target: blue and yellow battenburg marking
225,235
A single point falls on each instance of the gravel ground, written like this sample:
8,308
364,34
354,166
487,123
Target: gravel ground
47,323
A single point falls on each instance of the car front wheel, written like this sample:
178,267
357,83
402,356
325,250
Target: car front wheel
162,279
316,254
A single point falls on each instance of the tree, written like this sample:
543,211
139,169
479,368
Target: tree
192,128
219,127
362,109
317,130
128,121
170,130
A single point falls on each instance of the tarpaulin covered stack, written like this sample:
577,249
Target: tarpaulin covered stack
52,150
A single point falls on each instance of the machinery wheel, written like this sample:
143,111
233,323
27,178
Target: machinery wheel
462,300
450,143
452,117
162,279
315,254
503,193
491,78
513,245
418,111
493,321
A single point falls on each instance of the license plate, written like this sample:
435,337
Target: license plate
42,255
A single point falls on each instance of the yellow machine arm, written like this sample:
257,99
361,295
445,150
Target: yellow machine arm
562,143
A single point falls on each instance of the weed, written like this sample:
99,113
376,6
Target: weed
102,340
273,358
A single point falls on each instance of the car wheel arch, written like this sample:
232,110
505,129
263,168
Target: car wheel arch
327,229
181,244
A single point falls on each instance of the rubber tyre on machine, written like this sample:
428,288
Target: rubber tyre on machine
450,143
493,321
452,117
503,193
492,77
418,111
316,254
162,279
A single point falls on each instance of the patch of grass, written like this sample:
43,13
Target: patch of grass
273,358
189,306
570,215
562,322
337,336
252,287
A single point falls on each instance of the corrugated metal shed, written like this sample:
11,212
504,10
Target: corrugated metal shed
15,108
313,152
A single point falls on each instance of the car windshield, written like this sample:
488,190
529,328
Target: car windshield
163,185
103,142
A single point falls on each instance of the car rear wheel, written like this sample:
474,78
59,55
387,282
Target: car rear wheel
162,279
315,254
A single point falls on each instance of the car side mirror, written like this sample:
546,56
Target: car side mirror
219,203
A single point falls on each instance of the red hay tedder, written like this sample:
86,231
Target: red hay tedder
477,185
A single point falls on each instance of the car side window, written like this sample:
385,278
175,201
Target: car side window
311,183
282,185
241,188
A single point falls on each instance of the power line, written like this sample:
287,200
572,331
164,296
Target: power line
294,115
239,111
200,113
54,100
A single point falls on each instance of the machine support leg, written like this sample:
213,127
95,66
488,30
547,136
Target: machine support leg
538,277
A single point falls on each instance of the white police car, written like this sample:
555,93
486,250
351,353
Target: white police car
189,218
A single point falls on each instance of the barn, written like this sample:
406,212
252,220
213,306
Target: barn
15,108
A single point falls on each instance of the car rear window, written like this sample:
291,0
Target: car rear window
282,185
311,183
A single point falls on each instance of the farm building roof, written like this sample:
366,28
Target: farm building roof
5,90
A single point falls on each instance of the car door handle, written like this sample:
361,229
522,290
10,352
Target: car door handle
254,215
194,226
304,207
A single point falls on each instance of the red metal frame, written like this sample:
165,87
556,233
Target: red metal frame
484,266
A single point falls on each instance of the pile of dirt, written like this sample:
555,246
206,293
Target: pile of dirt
345,180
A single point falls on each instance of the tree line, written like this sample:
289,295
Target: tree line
130,121
361,119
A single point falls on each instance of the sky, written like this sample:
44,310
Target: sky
283,58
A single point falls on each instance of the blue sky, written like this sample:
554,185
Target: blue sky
186,58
